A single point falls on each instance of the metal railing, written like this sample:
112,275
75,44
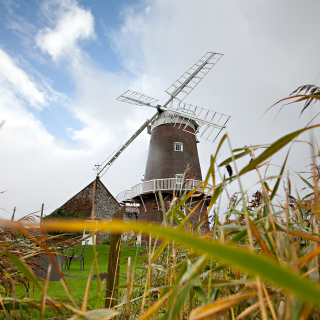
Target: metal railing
152,186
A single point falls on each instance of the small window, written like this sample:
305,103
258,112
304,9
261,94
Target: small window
178,146
179,179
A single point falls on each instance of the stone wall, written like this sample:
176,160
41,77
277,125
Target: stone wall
80,205
105,204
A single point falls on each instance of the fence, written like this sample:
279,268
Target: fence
151,186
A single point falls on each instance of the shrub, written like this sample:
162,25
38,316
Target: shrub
105,241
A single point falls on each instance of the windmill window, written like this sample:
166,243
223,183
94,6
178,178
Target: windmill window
178,146
179,179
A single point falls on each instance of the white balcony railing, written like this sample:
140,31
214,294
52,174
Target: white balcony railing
151,186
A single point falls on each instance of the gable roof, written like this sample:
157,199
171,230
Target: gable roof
80,205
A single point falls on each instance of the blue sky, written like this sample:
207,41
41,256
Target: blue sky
22,45
63,63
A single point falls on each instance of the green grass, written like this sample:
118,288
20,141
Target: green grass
78,285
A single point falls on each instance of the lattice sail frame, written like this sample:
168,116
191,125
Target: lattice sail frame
210,123
136,98
190,79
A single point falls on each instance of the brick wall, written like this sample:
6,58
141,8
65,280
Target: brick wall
149,211
163,162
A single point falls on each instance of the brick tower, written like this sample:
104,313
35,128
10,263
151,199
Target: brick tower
171,151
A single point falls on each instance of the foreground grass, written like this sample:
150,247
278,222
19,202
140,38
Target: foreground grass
259,261
77,280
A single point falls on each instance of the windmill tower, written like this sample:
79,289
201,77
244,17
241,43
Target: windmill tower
174,131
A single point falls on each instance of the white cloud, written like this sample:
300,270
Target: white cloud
17,79
72,24
34,166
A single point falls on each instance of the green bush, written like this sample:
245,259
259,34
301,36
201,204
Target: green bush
106,241
62,213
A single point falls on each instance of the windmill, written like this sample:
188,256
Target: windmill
174,130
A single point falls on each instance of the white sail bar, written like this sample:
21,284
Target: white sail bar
210,123
124,146
189,80
136,98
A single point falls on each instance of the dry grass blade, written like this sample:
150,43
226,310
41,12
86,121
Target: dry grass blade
67,290
299,234
154,308
260,240
1,302
46,249
74,310
307,258
274,148
160,249
25,270
250,309
213,160
214,309
98,314
309,88
86,293
128,288
313,96
148,276
261,300
274,316
44,296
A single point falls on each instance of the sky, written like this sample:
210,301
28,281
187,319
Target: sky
63,63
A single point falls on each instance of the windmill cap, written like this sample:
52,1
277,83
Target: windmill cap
165,118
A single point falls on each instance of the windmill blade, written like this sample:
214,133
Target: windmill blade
138,99
188,81
209,123
105,166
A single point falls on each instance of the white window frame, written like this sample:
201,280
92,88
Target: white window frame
179,179
178,144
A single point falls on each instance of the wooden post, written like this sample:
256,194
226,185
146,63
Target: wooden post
113,264
94,196
42,232
42,211
14,211
93,232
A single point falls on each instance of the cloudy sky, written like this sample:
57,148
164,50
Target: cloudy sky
63,63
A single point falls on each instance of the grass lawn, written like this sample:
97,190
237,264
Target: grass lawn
79,278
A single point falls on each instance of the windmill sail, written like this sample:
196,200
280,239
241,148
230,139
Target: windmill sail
136,98
210,123
105,166
189,80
